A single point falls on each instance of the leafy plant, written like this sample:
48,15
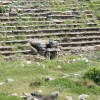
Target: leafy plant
36,83
93,74
2,9
66,39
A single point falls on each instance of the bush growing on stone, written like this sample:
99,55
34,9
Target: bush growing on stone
2,9
93,74
66,39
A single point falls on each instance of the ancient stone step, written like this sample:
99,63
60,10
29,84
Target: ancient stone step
8,18
6,48
83,43
14,42
59,34
82,48
62,16
3,2
85,38
14,52
67,30
34,19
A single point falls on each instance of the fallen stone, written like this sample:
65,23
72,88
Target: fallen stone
36,92
85,59
69,97
52,96
37,96
59,67
2,83
6,14
28,62
14,94
39,58
76,75
49,79
38,64
83,97
13,10
24,97
66,76
8,80
32,98
26,94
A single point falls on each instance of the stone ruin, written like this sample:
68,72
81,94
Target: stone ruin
38,96
49,49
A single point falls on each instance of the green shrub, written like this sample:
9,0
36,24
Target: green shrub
66,39
72,86
36,83
2,9
93,74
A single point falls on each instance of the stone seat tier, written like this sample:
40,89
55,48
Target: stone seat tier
41,26
6,48
30,10
28,26
14,52
87,11
84,48
75,40
69,12
28,22
67,30
42,13
14,42
83,30
84,38
32,27
8,18
39,19
83,43
69,34
62,16
89,15
5,2
65,47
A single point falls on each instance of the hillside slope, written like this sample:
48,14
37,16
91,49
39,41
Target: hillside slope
75,23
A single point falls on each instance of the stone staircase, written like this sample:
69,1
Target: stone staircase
71,22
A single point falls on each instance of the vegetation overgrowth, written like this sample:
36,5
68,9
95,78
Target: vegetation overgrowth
73,74
29,76
2,9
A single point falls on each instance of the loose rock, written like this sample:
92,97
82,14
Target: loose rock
49,79
83,97
38,64
59,67
2,83
8,80
69,98
14,94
